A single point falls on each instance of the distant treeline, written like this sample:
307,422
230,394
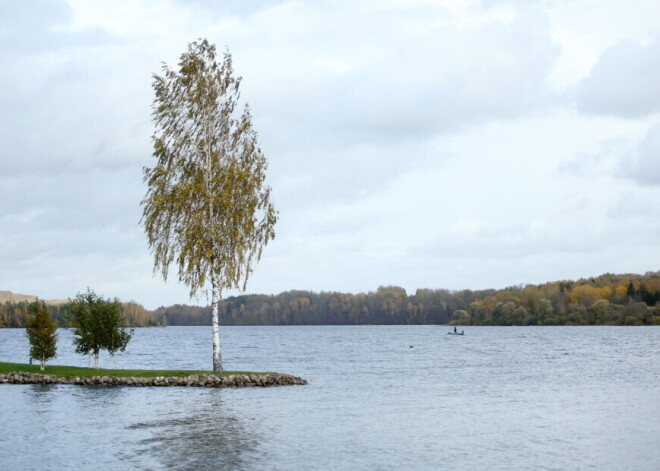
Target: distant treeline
605,300
14,314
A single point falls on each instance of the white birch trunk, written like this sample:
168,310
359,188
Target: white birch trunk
215,302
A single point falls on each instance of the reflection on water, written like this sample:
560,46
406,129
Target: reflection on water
40,398
92,427
96,397
39,394
206,437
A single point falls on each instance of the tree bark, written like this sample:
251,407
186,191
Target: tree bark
215,302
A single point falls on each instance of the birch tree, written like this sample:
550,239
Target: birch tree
96,325
207,208
41,332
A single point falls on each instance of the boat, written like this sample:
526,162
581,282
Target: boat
462,332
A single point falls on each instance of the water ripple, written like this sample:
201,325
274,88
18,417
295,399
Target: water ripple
498,398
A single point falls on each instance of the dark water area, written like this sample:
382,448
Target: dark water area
378,398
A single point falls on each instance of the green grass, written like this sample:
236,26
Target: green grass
74,371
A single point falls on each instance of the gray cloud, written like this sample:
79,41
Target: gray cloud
65,116
633,206
381,117
644,165
624,82
606,162
429,83
30,26
75,214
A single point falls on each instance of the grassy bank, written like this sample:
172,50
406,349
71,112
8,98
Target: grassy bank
74,371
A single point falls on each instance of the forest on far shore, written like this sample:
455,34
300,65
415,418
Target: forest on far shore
608,299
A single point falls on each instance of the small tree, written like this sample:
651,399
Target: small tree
207,206
97,325
41,333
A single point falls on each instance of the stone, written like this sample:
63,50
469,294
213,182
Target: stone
193,380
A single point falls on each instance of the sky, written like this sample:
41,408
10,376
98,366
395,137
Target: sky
454,144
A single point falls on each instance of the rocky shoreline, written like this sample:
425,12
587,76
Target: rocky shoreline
209,381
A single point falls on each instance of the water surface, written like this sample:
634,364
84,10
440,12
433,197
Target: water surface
379,398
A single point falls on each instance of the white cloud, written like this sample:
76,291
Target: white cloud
337,67
585,29
466,227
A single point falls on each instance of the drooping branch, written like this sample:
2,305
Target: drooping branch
207,207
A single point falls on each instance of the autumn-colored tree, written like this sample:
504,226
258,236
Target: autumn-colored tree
136,315
461,317
207,207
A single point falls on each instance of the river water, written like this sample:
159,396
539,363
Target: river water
378,398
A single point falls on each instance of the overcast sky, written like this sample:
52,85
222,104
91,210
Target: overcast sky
426,144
